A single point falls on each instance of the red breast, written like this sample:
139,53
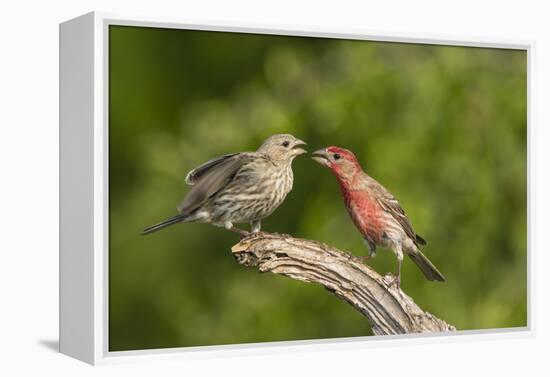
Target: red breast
365,212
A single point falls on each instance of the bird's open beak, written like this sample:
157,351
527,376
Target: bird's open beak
297,150
321,156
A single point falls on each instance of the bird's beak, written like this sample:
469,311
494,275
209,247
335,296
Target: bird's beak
297,150
322,157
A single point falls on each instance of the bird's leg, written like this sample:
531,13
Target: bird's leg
229,226
399,264
399,253
372,251
256,225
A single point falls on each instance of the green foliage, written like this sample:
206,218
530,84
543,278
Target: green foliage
443,128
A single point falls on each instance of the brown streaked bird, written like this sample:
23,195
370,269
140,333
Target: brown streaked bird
375,212
239,187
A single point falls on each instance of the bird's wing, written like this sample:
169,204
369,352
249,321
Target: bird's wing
212,180
194,175
391,205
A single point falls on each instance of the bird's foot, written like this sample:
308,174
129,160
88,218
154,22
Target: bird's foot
245,234
396,282
393,281
364,258
253,234
268,234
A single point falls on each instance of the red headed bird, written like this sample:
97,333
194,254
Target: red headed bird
375,212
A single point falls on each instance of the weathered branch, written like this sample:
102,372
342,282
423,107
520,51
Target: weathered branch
387,308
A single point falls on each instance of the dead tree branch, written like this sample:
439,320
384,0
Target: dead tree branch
388,309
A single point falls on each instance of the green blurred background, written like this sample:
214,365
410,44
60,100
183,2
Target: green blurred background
443,128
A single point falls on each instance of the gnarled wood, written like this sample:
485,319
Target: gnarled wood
387,308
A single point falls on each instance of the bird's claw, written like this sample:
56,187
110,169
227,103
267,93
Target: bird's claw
393,281
244,234
396,281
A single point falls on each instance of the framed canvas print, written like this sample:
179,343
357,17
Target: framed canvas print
378,183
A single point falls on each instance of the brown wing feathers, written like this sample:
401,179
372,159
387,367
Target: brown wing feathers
194,175
208,180
391,205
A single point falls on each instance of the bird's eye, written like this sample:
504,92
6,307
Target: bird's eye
337,156
286,143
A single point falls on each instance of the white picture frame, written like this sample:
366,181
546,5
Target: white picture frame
84,190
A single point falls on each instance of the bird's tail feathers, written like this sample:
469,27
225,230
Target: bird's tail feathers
426,266
163,224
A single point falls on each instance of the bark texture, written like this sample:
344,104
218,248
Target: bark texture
388,309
